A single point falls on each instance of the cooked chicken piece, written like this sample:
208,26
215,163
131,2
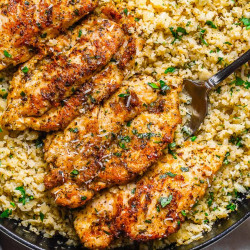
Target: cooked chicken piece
155,205
63,83
82,155
92,93
89,133
25,25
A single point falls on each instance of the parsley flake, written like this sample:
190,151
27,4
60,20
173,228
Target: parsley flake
164,201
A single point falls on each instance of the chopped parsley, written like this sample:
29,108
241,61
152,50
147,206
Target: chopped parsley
39,142
148,221
125,11
137,19
41,216
118,154
4,96
178,33
74,173
172,153
153,85
183,213
76,11
164,201
246,22
226,161
133,190
170,174
220,59
83,198
218,90
128,123
25,70
186,130
211,24
228,43
122,95
80,33
172,145
185,169
7,54
211,198
6,213
12,204
236,140
74,130
193,138
24,197
22,94
122,145
202,32
170,70
239,82
231,206
125,138
164,87
44,35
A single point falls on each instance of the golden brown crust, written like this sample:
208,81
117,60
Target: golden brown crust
29,24
103,151
152,207
70,80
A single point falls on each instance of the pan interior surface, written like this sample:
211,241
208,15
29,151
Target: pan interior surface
33,241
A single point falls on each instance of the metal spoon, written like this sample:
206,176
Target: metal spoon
198,91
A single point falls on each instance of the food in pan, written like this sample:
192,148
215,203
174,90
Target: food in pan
52,91
27,25
96,150
93,119
154,206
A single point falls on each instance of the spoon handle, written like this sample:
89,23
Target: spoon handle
223,74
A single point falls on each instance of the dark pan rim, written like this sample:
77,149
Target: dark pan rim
209,242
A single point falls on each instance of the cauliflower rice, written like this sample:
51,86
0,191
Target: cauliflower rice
192,39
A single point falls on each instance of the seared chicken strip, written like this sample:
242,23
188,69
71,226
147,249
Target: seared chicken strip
25,25
80,157
61,84
152,207
89,133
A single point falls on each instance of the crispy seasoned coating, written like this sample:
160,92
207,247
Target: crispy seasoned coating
59,87
93,92
88,134
98,151
155,205
26,25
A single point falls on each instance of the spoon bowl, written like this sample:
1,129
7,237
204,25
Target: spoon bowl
198,91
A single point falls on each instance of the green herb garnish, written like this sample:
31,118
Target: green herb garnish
6,54
41,216
6,213
184,169
170,70
164,201
25,70
211,24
